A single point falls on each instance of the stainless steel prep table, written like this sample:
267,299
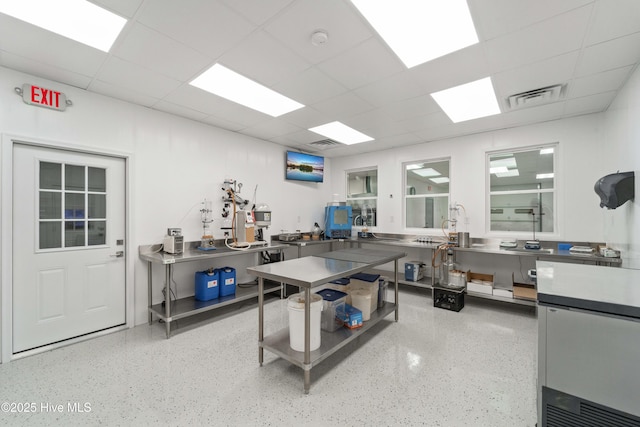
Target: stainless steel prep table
309,272
189,306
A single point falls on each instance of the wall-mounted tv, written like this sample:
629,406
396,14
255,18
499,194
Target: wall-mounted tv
304,167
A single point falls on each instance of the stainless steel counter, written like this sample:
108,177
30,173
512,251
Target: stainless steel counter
189,306
309,272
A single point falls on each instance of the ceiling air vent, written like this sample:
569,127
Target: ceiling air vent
324,144
536,97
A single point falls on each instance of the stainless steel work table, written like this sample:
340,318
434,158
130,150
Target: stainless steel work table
307,273
189,306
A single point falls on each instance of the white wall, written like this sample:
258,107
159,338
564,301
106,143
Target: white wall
176,164
620,151
580,141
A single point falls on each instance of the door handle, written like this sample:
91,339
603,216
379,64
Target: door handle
118,254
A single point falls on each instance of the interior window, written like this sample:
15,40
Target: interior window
522,189
426,193
362,196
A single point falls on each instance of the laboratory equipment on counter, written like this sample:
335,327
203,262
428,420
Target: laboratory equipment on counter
244,227
262,214
532,244
206,213
338,220
173,242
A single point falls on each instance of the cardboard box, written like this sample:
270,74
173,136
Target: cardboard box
524,291
351,316
480,283
505,293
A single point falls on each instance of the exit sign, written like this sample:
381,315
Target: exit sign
43,97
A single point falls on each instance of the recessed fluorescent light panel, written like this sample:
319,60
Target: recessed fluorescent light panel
468,101
440,179
230,85
341,133
546,151
414,166
498,169
513,172
544,176
420,30
508,162
427,172
78,20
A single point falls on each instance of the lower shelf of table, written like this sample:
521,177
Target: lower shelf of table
330,342
189,306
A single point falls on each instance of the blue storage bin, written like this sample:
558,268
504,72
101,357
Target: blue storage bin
227,281
207,285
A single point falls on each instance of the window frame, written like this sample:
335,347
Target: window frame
554,191
437,227
349,199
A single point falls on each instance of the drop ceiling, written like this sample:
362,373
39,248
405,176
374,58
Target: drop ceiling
590,47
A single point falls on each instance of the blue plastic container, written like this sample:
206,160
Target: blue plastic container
207,285
227,281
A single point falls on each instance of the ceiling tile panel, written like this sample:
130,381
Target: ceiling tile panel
366,63
310,86
258,11
344,105
607,81
295,25
613,19
209,27
494,18
610,55
537,42
392,89
134,77
150,49
264,59
125,94
589,104
179,110
35,68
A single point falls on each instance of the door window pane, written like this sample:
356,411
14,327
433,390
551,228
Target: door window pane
50,205
97,233
50,235
81,195
427,212
74,178
97,206
97,179
73,233
74,206
50,176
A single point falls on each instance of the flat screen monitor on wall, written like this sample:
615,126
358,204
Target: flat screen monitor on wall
304,167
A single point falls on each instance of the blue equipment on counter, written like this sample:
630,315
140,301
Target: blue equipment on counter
338,220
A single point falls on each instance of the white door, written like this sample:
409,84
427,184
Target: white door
68,245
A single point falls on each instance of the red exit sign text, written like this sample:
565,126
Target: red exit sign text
43,97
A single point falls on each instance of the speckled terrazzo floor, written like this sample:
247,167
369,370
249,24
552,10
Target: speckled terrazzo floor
434,367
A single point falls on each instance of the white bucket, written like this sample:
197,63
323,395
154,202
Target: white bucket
295,305
361,299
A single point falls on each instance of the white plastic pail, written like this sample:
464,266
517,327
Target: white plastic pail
295,305
361,299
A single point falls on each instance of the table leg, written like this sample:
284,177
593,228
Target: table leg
395,272
167,298
307,338
260,319
149,290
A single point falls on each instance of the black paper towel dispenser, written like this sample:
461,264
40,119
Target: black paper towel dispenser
615,189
